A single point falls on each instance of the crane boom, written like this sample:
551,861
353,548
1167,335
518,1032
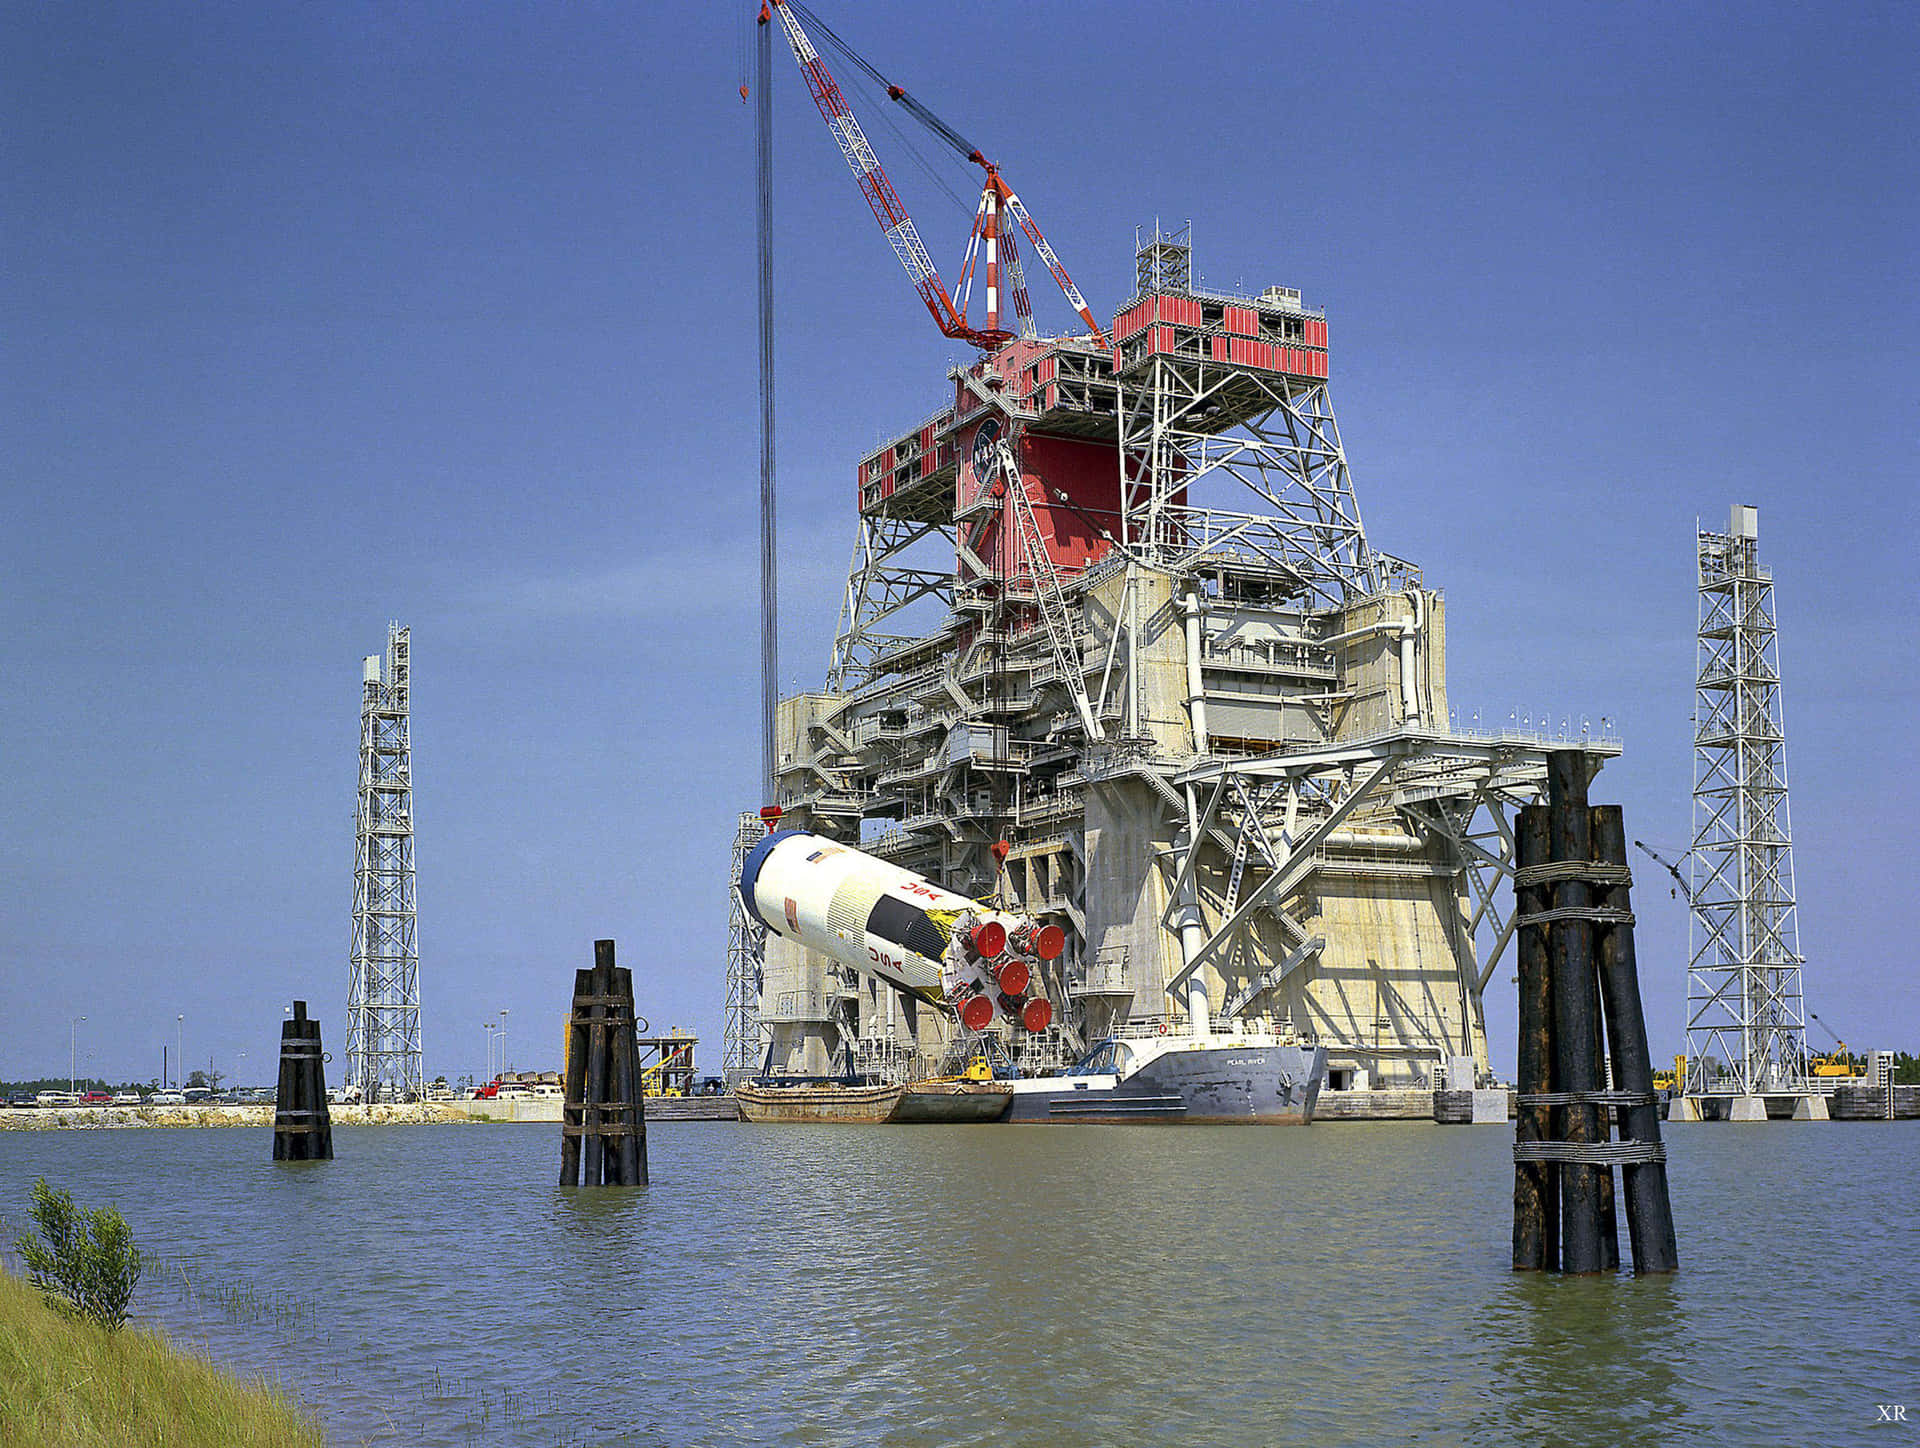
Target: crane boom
996,197
1668,865
1072,293
888,210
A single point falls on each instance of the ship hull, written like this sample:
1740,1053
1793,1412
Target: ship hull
953,1101
779,1105
1274,1085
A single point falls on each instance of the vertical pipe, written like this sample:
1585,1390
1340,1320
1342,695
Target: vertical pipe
1193,931
1575,1004
1133,659
769,565
1409,686
1649,1212
1196,685
1536,1197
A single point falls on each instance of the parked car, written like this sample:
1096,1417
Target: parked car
196,1095
57,1098
126,1098
21,1101
96,1098
167,1098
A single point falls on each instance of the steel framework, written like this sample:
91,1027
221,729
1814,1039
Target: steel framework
383,994
1007,715
1744,1005
746,946
1280,445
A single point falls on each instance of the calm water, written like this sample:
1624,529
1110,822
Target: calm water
1056,1285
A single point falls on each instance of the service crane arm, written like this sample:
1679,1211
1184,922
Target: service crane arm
888,210
1674,870
996,197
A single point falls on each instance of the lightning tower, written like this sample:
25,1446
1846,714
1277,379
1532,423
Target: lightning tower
746,943
383,996
1744,1007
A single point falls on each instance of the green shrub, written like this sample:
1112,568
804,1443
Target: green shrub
88,1258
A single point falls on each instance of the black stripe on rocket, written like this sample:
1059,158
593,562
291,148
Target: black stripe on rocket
906,925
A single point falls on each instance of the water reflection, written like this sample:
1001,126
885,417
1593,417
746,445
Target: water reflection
1584,1360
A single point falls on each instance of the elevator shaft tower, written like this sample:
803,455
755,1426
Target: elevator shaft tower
1744,1006
383,995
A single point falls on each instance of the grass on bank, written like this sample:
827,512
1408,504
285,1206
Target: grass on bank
65,1383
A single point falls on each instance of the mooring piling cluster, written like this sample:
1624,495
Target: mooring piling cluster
1580,1011
604,1124
302,1129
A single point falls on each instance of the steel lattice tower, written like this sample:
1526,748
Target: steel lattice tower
1744,1005
746,942
383,996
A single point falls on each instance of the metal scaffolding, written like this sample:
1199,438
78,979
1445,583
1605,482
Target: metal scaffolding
1746,1022
746,945
383,994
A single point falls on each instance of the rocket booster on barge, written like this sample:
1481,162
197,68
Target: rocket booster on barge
890,922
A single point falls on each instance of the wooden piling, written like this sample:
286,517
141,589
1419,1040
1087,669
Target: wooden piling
1644,1184
1576,1007
1580,999
302,1127
1536,1185
603,1138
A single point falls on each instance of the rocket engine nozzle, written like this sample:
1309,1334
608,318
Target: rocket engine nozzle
976,1013
1037,1014
989,938
1015,977
1044,941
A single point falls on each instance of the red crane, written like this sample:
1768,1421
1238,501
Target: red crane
987,240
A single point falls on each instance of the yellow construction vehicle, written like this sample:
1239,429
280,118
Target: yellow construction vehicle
1837,1062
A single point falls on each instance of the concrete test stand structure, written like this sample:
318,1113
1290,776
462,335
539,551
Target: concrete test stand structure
1115,650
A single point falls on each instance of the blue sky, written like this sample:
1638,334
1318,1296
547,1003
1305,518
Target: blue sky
318,316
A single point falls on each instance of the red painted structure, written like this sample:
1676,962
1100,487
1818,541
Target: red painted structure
1053,401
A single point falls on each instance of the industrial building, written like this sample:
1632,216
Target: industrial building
1116,650
1160,662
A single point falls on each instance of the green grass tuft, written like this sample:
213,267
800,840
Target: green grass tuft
65,1383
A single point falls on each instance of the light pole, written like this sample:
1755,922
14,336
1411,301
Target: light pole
489,1028
180,1051
503,1043
73,1056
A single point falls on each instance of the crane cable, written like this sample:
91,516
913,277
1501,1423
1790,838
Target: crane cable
769,559
966,149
